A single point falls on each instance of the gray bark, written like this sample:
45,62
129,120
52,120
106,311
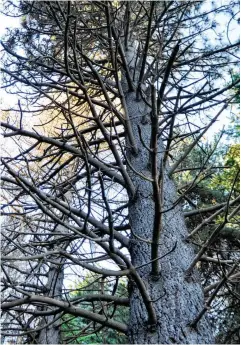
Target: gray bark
51,332
177,299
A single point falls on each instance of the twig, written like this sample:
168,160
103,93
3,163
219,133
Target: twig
211,298
155,185
110,217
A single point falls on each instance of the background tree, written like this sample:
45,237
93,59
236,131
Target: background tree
114,100
72,328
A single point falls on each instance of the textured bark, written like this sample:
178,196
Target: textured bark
177,300
50,334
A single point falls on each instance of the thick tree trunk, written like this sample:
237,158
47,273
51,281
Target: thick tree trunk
176,299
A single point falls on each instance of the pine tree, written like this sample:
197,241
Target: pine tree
108,93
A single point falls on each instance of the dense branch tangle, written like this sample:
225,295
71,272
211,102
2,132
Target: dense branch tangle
109,93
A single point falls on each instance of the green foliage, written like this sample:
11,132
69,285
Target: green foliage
214,187
233,130
236,89
76,330
224,180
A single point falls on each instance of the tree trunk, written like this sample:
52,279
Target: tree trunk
50,334
177,299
